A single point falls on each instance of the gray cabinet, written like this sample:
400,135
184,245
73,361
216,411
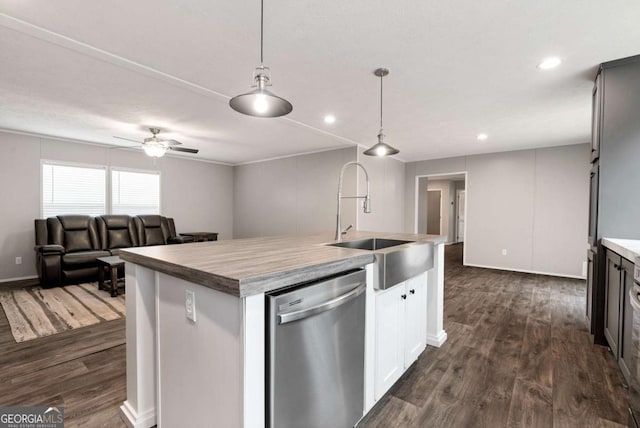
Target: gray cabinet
618,328
615,177
596,110
590,287
612,302
626,319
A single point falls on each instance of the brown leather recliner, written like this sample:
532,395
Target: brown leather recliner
67,246
156,230
68,253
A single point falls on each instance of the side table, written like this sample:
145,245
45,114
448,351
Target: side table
111,263
201,236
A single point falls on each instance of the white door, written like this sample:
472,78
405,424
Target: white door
460,208
390,322
415,318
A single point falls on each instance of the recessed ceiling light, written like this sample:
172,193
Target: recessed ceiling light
549,63
329,119
482,137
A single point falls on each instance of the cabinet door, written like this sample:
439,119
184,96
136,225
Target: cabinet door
415,319
612,301
593,204
389,357
590,288
626,319
596,116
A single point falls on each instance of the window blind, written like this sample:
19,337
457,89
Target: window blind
135,193
73,190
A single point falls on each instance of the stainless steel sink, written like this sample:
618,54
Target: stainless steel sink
395,265
371,244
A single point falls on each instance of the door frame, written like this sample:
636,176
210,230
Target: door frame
466,204
440,222
457,211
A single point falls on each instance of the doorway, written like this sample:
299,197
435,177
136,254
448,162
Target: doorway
441,206
434,212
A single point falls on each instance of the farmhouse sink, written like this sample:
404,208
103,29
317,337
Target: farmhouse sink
394,265
371,244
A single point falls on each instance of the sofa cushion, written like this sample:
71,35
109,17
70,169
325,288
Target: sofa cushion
119,238
75,222
84,258
154,236
150,220
77,240
115,221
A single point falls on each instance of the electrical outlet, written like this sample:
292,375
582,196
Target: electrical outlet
190,304
18,260
504,251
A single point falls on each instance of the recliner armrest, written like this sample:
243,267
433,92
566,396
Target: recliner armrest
175,240
49,249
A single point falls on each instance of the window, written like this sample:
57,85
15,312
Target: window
135,192
82,189
68,189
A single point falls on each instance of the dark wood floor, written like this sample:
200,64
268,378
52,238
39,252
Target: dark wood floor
82,370
518,355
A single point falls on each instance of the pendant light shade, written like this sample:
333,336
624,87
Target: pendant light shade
260,102
381,148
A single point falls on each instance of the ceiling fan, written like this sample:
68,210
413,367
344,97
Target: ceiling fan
157,147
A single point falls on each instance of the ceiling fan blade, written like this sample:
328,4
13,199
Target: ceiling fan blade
171,142
124,147
127,139
183,149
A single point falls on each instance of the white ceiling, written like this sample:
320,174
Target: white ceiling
88,69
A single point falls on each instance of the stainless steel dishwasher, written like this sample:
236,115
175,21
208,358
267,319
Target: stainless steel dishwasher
315,354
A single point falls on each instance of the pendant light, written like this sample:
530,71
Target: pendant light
381,148
260,102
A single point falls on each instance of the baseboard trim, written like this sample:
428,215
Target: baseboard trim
18,278
560,275
437,340
133,420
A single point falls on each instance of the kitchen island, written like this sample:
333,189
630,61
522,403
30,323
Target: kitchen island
196,322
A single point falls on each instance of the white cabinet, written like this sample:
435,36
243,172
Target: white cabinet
401,330
415,319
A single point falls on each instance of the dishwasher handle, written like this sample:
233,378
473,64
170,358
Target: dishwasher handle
322,307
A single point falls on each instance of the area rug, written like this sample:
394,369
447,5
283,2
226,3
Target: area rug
38,312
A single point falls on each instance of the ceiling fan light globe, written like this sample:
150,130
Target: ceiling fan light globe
155,151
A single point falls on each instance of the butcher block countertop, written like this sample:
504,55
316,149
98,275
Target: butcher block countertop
244,267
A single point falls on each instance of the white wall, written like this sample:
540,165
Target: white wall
198,195
387,180
533,203
298,194
293,195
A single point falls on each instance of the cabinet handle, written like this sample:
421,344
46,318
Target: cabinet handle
412,291
404,297
616,266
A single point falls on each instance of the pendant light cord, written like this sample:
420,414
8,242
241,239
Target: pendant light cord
381,103
261,31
